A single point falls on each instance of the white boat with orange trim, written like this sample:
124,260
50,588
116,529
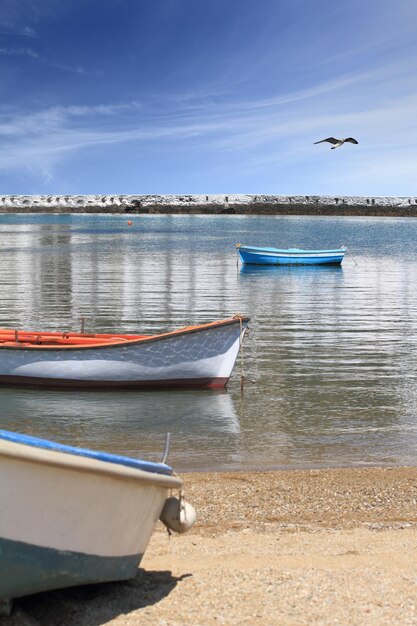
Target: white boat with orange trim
194,356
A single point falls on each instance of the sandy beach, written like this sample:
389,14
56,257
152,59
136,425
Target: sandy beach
285,547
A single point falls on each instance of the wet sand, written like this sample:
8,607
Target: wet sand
271,548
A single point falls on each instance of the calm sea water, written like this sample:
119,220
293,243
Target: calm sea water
332,351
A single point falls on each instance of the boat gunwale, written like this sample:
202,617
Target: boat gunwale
66,461
292,251
122,341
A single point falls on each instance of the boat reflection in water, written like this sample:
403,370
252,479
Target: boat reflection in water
204,426
286,270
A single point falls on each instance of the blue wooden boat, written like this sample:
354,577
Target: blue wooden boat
290,256
72,516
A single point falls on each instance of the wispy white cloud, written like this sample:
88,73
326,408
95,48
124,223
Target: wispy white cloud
20,51
16,15
18,32
224,99
56,120
28,31
257,133
8,51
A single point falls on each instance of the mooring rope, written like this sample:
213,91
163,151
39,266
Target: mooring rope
166,449
350,254
237,253
242,372
243,378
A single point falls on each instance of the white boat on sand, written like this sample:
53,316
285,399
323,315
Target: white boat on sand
71,516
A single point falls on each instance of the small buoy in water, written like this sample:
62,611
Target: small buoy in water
129,222
178,515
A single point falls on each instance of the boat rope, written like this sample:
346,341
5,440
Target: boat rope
350,254
237,254
242,372
243,378
166,450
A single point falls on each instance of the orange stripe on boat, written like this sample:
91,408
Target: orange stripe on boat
67,340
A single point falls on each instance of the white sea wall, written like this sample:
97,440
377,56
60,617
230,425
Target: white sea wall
233,203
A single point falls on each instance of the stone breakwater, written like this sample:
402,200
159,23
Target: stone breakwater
238,204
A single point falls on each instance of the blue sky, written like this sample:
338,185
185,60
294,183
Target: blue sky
213,96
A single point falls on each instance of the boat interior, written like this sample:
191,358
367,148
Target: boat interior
11,338
27,339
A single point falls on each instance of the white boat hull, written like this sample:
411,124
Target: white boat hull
203,358
68,520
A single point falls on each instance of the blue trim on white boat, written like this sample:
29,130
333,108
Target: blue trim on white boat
27,568
146,466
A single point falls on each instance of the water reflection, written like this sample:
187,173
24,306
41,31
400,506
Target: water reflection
333,349
301,270
133,423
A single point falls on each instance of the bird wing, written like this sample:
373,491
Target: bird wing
329,139
351,140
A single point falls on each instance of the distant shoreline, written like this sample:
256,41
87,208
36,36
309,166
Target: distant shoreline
234,204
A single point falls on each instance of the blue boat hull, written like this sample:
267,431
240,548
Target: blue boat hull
272,256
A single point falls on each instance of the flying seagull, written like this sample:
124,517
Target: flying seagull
337,142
